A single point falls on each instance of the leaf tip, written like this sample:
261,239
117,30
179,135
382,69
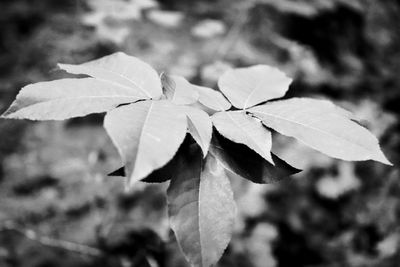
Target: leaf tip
382,159
9,114
268,157
3,116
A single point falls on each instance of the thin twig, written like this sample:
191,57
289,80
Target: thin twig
51,242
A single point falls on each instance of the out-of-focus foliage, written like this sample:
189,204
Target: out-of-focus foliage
53,175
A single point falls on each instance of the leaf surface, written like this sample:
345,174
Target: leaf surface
247,87
124,70
199,127
243,161
67,98
322,127
166,172
179,90
201,209
147,135
244,129
212,99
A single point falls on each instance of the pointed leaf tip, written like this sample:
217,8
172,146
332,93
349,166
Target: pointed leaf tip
322,126
244,129
382,158
169,170
67,98
199,126
147,135
245,162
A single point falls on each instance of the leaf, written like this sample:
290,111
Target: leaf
67,98
123,70
199,127
166,172
326,106
243,161
244,129
179,90
321,127
201,209
212,99
247,87
147,135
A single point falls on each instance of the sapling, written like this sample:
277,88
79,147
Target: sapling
166,128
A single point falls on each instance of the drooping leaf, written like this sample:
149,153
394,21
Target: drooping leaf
124,70
67,98
179,90
241,128
166,172
201,208
199,127
243,161
147,135
321,127
212,99
247,87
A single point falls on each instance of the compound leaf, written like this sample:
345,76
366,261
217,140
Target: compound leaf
241,128
212,99
147,135
247,87
179,90
67,98
243,161
124,70
201,209
322,127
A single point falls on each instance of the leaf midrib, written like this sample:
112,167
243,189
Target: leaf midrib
120,75
75,98
250,95
141,136
244,130
310,127
126,78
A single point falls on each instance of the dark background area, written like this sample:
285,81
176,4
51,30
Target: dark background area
59,208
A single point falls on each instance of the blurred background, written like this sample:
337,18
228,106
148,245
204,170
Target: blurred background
59,208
